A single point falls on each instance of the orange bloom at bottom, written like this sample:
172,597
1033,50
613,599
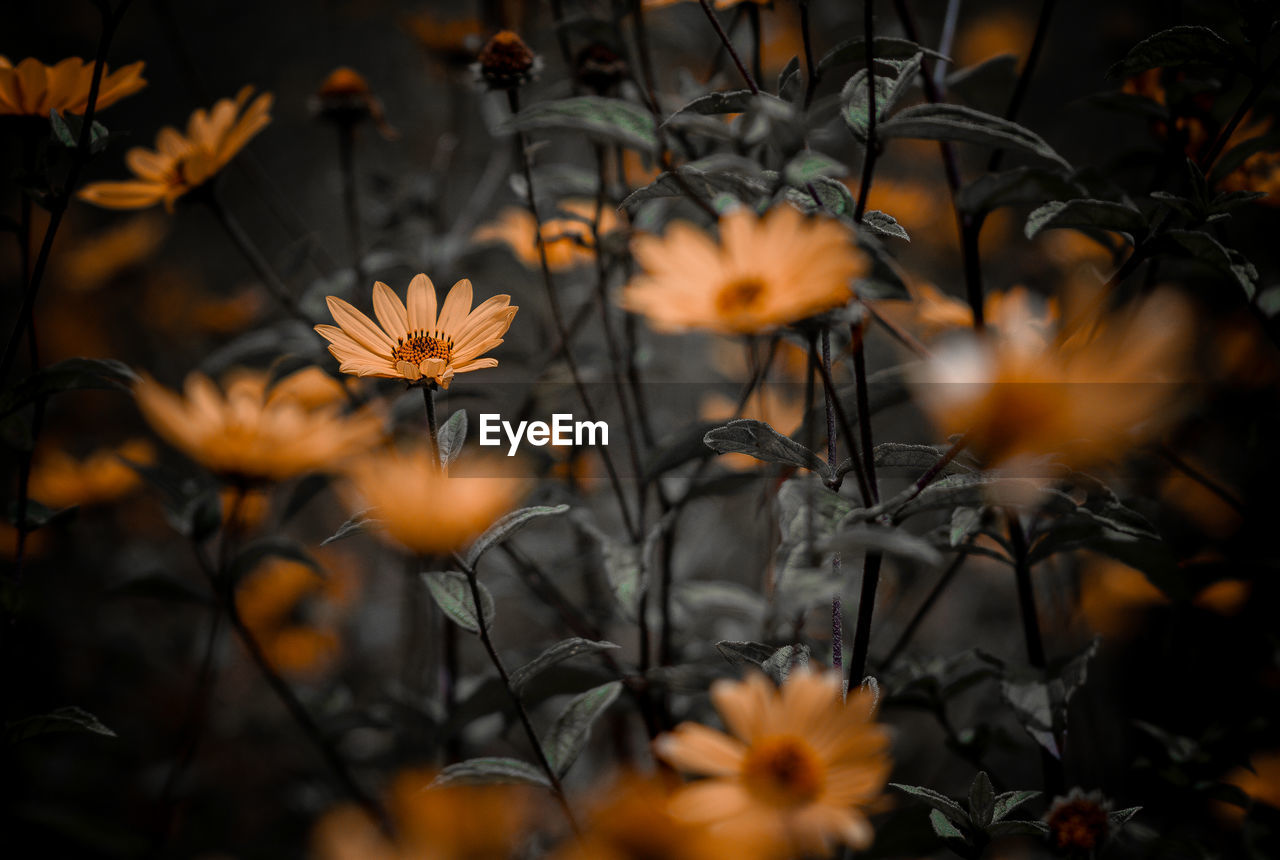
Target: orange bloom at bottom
797,772
445,823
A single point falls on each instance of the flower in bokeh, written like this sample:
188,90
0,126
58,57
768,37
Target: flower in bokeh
1086,397
506,62
931,312
568,240
1079,822
344,99
293,611
33,89
633,821
1261,780
454,43
417,505
181,163
59,480
451,822
719,4
1001,32
413,343
1114,597
99,259
253,431
763,273
798,770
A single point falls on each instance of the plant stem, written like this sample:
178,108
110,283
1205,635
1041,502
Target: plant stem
429,399
872,148
350,204
909,632
1024,78
757,43
859,470
728,46
873,560
866,607
810,67
254,257
1259,86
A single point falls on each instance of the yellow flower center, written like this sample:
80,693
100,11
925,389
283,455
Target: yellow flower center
420,346
739,296
783,770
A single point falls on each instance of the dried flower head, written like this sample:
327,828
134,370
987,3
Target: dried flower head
413,343
252,431
763,273
599,67
1079,822
345,99
33,89
181,163
797,771
506,62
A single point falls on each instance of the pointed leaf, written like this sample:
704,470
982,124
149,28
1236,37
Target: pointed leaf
358,523
557,653
1096,214
451,437
603,119
951,810
1008,801
492,769
569,734
1177,46
451,591
69,719
748,436
982,800
506,527
966,125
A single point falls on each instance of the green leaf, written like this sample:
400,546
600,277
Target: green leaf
745,653
68,719
72,374
1184,45
490,770
1121,817
883,224
451,436
982,800
950,810
782,662
1008,801
731,101
1095,214
834,198
964,523
66,131
809,166
791,81
506,527
1011,187
884,48
357,524
451,591
622,567
1041,706
758,439
946,830
1200,246
891,540
966,125
855,97
1017,828
917,457
569,734
557,653
602,119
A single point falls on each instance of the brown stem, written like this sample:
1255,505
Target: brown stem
728,46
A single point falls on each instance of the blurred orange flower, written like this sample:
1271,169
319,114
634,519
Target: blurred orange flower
59,480
419,506
1261,780
568,240
1087,397
293,612
932,312
454,42
414,344
764,272
1001,32
98,259
181,163
443,823
33,89
254,431
798,770
1114,596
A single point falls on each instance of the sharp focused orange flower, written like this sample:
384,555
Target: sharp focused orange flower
33,89
424,509
253,432
568,240
181,163
1087,398
763,273
633,821
58,480
443,823
413,343
797,771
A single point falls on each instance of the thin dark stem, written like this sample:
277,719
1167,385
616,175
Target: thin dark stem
909,632
483,629
1201,478
873,147
58,205
254,257
859,470
1259,86
557,316
864,408
429,400
970,250
810,67
827,396
757,42
728,46
1024,77
866,608
891,506
837,629
350,203
872,561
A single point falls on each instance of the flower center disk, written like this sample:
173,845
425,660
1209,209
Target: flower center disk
419,347
783,770
739,296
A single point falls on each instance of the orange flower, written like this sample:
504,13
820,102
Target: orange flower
419,506
633,821
568,240
1261,780
443,823
252,431
181,163
796,773
414,344
60,481
719,4
33,89
98,259
993,34
932,312
763,273
454,42
1086,398
1114,596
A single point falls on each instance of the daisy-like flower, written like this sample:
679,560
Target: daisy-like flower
431,823
1079,823
568,240
33,89
414,343
420,507
181,163
797,771
59,480
932,312
252,432
763,273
